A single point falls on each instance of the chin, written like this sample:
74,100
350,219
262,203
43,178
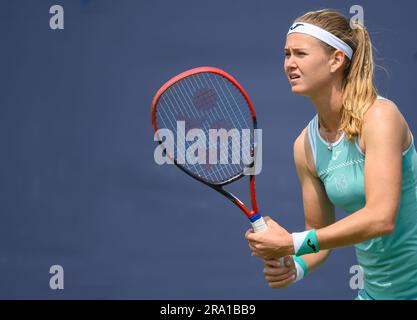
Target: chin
299,91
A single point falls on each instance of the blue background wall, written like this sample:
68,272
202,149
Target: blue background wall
78,183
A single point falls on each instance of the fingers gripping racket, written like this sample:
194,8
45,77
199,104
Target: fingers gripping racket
208,98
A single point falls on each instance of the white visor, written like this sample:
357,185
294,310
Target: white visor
323,35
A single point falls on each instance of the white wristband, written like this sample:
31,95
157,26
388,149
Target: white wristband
300,272
298,239
300,267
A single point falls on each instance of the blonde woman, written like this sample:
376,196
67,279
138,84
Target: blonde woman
357,154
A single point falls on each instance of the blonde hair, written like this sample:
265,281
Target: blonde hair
359,90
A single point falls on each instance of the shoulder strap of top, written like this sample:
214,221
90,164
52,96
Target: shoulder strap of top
312,137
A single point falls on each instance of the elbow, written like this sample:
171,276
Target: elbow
386,226
383,224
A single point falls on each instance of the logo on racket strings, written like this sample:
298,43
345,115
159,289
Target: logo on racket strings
210,147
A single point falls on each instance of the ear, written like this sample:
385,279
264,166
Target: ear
336,61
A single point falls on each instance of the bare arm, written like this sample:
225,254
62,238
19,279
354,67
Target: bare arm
384,133
318,210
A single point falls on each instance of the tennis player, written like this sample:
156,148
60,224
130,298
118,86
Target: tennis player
357,154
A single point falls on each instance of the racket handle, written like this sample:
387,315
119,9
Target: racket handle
259,225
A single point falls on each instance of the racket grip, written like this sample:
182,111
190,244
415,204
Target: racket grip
259,225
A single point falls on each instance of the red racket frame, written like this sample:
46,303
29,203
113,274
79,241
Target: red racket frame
217,186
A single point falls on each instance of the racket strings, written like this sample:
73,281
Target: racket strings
188,85
182,93
200,170
226,103
208,101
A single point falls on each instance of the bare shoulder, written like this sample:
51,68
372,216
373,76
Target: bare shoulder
383,112
303,155
385,116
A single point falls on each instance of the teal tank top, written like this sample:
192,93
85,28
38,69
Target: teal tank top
389,262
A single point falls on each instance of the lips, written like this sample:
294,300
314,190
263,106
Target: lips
293,78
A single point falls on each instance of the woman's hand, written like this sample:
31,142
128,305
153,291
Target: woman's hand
273,243
279,276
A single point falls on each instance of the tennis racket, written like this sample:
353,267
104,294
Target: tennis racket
207,98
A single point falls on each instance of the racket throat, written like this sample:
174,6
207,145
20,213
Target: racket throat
246,211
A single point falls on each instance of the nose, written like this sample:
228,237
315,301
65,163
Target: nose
290,63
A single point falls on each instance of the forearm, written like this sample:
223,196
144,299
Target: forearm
357,227
363,225
315,260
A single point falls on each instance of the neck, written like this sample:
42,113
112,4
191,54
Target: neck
328,103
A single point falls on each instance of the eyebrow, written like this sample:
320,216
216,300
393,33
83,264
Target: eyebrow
295,49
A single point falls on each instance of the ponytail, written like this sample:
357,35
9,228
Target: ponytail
359,91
